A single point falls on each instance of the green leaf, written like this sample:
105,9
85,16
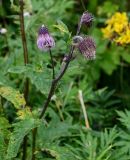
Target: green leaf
4,125
108,8
124,118
4,135
18,69
54,130
126,56
59,152
39,78
4,80
105,152
110,60
28,6
12,95
62,27
21,129
2,147
13,6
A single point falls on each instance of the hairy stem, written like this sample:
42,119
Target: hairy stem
52,62
50,94
25,54
55,82
54,85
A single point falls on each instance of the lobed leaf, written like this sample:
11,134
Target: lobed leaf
21,129
40,79
12,95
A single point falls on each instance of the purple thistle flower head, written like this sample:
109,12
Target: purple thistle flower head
45,41
87,19
87,47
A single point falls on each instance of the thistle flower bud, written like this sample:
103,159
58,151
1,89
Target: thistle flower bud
45,41
87,19
87,47
76,40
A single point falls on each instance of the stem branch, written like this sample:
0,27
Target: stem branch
52,62
55,82
54,85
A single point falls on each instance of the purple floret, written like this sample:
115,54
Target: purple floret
87,47
87,18
45,41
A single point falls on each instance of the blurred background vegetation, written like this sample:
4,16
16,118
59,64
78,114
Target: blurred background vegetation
104,83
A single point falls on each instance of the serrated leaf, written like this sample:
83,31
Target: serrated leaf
54,130
4,134
59,153
28,6
17,69
4,125
2,147
53,153
4,80
62,27
105,152
40,79
126,57
124,118
21,129
13,6
12,95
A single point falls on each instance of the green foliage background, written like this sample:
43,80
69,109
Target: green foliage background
104,82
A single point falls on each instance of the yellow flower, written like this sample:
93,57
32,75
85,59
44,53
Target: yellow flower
118,28
124,38
118,22
107,32
118,18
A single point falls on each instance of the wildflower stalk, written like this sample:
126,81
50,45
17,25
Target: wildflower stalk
45,41
56,80
52,63
52,89
51,92
25,54
62,72
79,27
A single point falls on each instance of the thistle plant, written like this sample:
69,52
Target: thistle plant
51,103
45,42
85,45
